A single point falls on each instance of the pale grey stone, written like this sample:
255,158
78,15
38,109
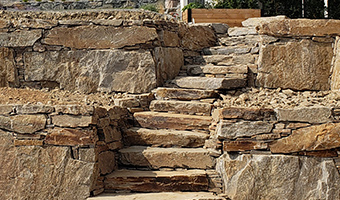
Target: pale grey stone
209,83
278,177
232,130
20,38
241,31
309,114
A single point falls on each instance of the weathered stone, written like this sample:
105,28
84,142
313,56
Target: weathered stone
228,130
166,138
35,23
107,162
190,107
243,145
28,142
172,121
74,109
127,102
171,39
112,134
300,27
112,22
33,109
157,181
169,62
321,154
220,28
227,50
4,23
321,137
298,65
6,109
87,154
335,76
7,67
270,136
309,114
256,114
71,121
297,125
159,196
27,123
241,31
257,21
183,94
115,145
20,38
70,137
111,70
51,169
167,157
209,83
197,37
100,37
213,69
278,177
229,59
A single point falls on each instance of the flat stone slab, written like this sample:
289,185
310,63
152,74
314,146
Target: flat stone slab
227,50
159,196
216,69
241,31
229,59
183,94
186,107
254,114
209,83
172,121
157,181
310,114
141,156
164,138
233,130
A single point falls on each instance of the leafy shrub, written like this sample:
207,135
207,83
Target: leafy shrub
193,5
150,7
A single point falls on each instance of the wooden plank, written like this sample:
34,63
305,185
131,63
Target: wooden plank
230,22
255,12
185,16
233,16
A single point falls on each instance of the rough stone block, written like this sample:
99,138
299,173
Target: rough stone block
229,130
23,123
70,137
20,38
71,121
209,83
243,145
197,37
309,114
33,109
183,94
7,67
190,107
298,65
256,114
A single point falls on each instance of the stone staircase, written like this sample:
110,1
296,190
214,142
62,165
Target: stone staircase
167,150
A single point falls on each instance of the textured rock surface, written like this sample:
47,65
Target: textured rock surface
70,137
159,196
47,173
300,27
7,67
20,38
335,79
190,107
100,37
301,65
278,177
232,130
183,94
321,137
172,121
23,123
169,62
157,181
245,113
167,157
310,115
71,69
209,83
197,37
166,138
71,121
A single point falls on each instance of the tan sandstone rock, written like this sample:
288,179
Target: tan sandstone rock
70,137
111,70
232,130
100,37
197,37
335,78
309,114
278,177
26,124
298,65
314,138
71,121
19,38
7,67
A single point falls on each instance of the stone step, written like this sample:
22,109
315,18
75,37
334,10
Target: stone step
244,59
194,70
210,83
155,158
183,107
157,181
241,31
249,40
183,94
158,196
164,138
172,121
228,50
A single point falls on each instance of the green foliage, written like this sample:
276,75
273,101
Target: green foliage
314,9
150,7
237,4
290,8
333,9
193,5
25,1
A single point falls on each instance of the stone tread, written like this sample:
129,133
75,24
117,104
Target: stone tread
162,120
157,181
159,196
185,107
209,82
243,59
155,158
164,137
216,69
183,94
227,50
